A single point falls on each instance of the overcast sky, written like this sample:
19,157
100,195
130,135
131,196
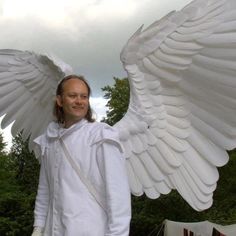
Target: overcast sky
87,34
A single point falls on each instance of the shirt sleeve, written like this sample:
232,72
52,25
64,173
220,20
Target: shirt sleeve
42,198
112,166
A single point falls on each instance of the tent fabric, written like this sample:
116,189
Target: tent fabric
204,228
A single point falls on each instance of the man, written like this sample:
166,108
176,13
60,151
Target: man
64,205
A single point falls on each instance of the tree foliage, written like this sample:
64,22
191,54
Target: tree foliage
26,166
18,179
147,214
2,145
118,97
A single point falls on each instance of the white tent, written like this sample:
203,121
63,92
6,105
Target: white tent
204,228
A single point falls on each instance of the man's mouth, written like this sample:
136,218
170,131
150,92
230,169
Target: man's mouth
78,108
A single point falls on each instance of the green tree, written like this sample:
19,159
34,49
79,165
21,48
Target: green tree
25,164
118,100
147,214
18,179
2,145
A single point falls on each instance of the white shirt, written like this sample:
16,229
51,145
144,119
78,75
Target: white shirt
64,206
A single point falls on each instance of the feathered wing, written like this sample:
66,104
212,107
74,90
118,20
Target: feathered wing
181,115
27,90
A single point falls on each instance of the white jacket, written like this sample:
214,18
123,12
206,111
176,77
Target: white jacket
64,206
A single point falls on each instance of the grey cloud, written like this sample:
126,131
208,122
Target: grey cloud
91,47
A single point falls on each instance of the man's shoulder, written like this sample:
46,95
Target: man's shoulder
101,131
99,126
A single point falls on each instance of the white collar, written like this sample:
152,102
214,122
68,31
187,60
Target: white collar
55,130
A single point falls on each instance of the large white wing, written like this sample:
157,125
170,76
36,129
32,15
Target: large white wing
182,112
27,90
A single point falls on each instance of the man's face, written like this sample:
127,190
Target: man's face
74,101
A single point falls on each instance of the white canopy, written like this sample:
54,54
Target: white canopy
204,228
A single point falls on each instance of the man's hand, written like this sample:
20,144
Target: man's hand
38,231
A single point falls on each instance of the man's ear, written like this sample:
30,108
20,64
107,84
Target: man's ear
59,100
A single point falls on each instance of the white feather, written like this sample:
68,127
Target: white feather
190,112
27,80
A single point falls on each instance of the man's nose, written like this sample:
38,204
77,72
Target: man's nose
78,99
